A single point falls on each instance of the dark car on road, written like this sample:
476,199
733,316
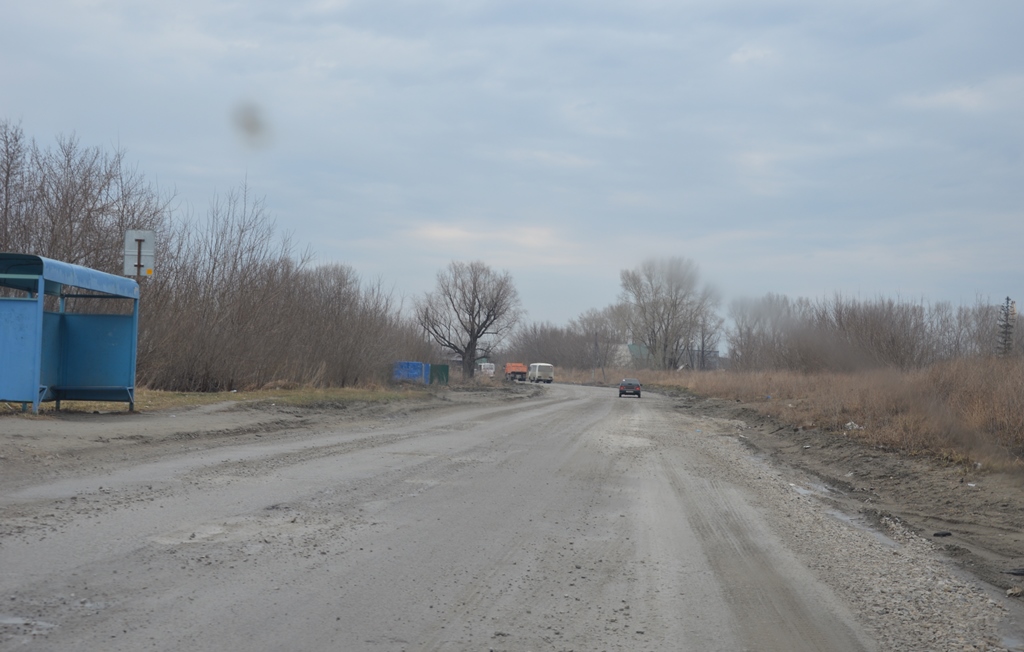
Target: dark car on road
629,386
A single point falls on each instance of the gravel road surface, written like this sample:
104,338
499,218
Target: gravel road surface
557,519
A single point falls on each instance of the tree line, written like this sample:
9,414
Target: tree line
664,312
846,334
232,304
674,323
235,305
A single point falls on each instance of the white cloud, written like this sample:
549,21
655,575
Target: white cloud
634,199
512,246
550,158
589,118
528,237
327,7
762,171
965,99
751,54
999,93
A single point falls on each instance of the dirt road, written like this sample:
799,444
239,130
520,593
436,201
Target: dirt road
557,518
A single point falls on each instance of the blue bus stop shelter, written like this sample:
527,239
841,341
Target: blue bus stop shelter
48,355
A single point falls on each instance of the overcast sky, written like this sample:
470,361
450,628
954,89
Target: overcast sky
802,147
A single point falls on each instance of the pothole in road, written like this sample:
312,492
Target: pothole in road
624,441
861,525
811,490
244,528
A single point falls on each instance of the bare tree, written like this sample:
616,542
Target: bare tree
546,342
231,305
708,334
13,175
72,203
843,334
235,307
601,332
472,309
217,298
666,308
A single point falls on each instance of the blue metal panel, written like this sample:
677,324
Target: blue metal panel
49,368
58,273
407,370
415,371
19,341
97,350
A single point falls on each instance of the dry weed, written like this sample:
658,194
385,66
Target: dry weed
150,400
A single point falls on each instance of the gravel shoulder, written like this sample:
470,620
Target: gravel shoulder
973,514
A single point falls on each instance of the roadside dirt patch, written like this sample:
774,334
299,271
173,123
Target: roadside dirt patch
66,443
974,514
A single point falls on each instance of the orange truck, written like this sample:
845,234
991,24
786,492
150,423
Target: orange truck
515,371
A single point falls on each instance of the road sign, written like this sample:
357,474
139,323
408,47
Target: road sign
139,253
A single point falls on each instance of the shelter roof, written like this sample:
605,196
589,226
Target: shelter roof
21,272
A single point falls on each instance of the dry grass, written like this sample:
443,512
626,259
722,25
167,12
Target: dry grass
969,410
148,400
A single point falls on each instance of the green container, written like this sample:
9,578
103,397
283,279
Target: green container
439,374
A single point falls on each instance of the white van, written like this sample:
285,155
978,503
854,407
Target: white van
540,372
485,369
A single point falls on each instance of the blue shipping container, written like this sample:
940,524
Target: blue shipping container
418,372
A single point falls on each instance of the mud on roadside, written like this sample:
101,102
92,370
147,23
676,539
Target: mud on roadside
974,515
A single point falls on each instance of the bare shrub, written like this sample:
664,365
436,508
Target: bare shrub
213,299
72,203
597,336
236,308
987,397
844,335
231,304
14,184
969,408
546,342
